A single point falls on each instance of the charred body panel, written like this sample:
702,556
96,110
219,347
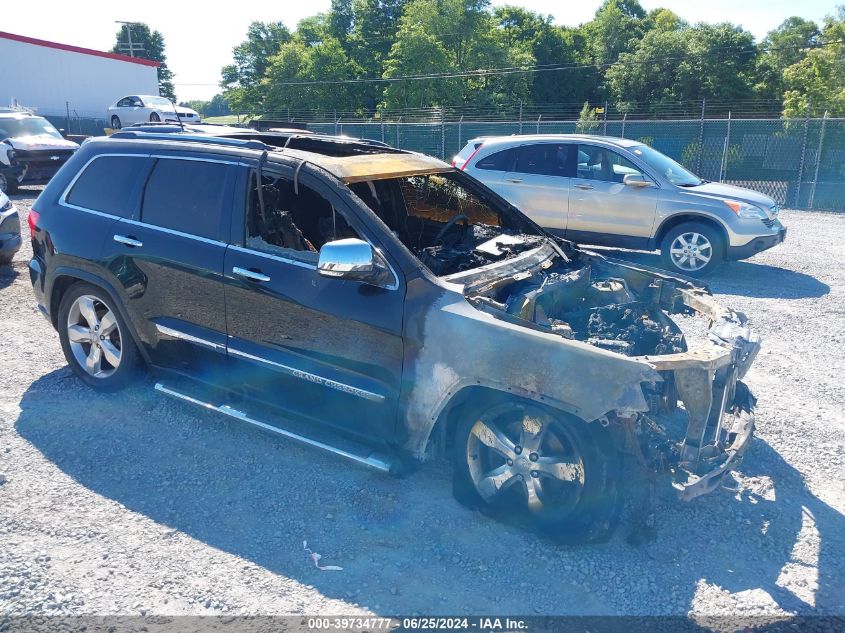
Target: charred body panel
593,338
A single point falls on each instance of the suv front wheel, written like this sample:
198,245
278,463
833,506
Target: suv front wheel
96,340
694,249
521,461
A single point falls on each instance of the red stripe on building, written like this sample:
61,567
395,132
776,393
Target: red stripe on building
77,49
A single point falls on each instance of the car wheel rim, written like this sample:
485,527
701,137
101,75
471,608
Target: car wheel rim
691,251
94,336
519,455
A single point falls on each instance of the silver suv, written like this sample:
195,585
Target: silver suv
618,192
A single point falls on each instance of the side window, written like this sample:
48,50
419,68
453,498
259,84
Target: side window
295,224
598,163
546,159
499,161
124,103
186,196
106,183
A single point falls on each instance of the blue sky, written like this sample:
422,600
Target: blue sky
198,45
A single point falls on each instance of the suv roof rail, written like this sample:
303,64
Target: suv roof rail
192,138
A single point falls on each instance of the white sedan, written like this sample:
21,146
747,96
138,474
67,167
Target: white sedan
145,108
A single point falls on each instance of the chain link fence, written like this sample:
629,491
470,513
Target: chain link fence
800,163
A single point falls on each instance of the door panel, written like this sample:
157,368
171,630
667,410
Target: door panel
603,210
173,285
539,183
170,264
328,350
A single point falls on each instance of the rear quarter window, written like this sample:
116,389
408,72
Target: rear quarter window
186,196
106,183
498,161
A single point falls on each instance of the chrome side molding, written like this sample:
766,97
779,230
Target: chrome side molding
372,460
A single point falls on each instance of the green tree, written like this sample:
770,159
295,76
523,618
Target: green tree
588,120
152,48
783,47
298,62
705,61
242,78
617,26
816,84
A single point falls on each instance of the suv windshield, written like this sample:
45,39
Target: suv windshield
676,174
28,126
448,221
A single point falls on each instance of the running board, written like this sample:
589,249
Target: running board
371,460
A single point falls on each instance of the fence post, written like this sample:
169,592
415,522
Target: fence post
460,139
334,116
803,155
624,118
520,117
605,119
723,166
818,160
382,130
67,117
701,138
442,134
538,123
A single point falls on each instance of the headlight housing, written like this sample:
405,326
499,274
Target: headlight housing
745,210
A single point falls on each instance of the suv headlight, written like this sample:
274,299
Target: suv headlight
745,210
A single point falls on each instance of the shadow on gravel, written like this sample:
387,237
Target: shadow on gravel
7,275
254,496
746,278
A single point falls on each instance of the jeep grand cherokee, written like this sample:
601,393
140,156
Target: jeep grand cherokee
384,306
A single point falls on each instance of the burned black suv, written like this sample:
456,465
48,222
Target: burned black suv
387,307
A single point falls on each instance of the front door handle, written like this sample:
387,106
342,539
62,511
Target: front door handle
128,241
513,179
584,187
252,275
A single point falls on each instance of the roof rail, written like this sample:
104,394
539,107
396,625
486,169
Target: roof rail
191,138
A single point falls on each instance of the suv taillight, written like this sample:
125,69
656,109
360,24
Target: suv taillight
32,220
471,156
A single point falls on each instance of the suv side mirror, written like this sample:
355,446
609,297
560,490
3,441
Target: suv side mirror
349,258
636,180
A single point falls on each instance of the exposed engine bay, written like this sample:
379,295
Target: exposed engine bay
584,303
472,247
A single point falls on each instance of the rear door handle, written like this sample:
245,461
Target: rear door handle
252,275
584,187
513,179
128,241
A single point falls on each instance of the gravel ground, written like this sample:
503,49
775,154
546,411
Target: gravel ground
132,503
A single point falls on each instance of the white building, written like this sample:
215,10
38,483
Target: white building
53,78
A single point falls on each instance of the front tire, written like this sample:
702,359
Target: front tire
523,462
95,339
694,249
115,123
8,185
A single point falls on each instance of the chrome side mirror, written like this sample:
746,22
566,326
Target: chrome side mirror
636,180
349,258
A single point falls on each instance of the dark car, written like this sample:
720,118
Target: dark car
10,229
384,306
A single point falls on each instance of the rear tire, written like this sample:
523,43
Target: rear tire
95,339
543,469
115,123
155,118
694,249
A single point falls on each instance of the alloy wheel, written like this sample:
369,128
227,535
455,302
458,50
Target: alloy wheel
521,455
691,251
94,336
